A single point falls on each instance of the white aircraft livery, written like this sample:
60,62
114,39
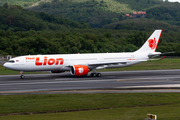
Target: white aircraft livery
81,64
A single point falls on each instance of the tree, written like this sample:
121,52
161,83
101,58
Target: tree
6,5
115,20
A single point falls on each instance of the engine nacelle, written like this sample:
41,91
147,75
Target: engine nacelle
79,70
57,71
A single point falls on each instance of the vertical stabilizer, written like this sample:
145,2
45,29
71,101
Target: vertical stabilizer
152,42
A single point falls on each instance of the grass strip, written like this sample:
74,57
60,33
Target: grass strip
76,102
167,112
123,106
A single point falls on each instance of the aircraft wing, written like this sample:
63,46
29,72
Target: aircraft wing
106,63
102,63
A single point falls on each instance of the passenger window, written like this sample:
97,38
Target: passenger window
11,61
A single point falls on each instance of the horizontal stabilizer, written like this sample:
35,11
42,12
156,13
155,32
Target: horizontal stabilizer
155,54
158,59
168,52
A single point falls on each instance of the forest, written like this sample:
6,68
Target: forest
24,32
168,12
81,41
15,18
98,13
23,3
87,12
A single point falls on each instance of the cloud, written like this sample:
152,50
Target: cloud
174,1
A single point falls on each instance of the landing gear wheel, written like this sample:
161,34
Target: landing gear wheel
93,74
98,75
22,76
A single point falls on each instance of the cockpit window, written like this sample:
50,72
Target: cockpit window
11,61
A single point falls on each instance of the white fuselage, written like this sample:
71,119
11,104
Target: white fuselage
63,62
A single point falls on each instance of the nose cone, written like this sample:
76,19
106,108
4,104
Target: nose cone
8,66
5,65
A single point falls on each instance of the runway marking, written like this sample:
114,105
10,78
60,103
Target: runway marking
153,86
148,78
64,81
59,82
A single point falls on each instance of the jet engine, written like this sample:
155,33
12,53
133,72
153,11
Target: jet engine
79,70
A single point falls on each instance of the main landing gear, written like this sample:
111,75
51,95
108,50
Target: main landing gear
94,74
22,76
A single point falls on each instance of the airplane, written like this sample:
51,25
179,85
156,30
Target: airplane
82,64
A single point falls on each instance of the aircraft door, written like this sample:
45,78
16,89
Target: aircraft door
22,62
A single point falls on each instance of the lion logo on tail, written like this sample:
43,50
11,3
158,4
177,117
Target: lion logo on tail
152,43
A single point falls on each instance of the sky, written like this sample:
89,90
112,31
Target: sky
174,1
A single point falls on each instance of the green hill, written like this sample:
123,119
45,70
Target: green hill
29,32
15,18
98,13
23,3
142,24
117,6
168,12
89,12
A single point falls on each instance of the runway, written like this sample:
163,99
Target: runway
2,62
110,82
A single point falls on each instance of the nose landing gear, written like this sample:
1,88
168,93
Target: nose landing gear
22,76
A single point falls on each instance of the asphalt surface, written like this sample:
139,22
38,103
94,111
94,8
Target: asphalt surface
110,82
2,62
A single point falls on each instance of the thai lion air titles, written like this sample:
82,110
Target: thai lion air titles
46,61
78,69
51,61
